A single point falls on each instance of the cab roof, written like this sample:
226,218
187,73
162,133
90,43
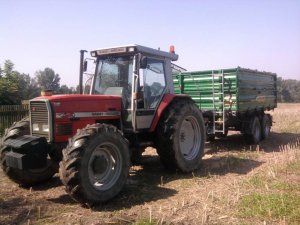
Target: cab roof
134,48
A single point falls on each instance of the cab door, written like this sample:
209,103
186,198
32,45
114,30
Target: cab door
152,84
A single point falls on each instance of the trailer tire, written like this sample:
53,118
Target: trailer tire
265,126
254,134
95,164
24,177
180,136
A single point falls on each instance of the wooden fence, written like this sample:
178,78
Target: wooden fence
10,114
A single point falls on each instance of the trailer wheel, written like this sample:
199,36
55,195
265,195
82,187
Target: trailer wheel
254,134
265,126
180,136
95,164
24,177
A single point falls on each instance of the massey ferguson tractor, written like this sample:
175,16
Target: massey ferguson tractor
91,138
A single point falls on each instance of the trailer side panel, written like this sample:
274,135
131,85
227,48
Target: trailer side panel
238,90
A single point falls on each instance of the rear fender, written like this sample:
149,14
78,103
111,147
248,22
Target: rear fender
166,101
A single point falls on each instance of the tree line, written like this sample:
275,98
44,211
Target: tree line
16,86
288,90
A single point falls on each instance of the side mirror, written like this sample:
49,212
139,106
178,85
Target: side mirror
85,65
143,62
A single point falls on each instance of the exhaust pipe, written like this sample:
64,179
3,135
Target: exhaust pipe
81,70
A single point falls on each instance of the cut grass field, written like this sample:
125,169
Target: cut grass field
238,184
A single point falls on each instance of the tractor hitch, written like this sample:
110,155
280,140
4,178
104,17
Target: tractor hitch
27,152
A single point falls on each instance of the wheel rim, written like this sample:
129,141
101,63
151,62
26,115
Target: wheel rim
190,138
104,167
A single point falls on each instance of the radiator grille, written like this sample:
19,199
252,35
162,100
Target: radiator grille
39,116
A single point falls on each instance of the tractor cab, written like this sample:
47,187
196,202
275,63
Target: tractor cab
141,76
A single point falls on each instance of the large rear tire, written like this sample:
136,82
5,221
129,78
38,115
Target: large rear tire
180,136
95,164
24,177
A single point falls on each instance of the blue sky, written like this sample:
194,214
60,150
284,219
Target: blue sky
207,34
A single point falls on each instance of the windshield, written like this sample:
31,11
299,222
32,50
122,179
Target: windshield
113,72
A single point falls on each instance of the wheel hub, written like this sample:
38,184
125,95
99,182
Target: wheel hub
104,166
99,165
189,138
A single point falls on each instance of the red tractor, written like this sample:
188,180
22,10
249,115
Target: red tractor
92,137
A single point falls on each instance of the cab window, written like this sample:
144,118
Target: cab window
154,82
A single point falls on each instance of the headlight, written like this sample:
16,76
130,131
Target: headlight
35,127
45,128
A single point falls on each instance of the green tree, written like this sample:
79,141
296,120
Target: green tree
33,90
16,86
64,89
48,79
12,84
288,90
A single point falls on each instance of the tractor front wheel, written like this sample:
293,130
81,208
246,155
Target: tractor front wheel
26,177
95,164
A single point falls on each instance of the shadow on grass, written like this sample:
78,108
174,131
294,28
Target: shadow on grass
138,193
138,190
276,141
219,165
147,182
52,183
236,142
63,199
10,212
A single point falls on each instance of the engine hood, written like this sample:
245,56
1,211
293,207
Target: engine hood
83,103
77,97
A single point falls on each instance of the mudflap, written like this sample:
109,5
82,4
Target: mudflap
27,152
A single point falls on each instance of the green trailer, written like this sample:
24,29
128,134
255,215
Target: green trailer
231,99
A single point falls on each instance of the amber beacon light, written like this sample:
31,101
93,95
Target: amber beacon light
172,49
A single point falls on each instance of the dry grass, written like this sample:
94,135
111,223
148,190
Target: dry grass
234,175
272,193
287,118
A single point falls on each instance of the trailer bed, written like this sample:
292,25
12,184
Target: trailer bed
239,90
